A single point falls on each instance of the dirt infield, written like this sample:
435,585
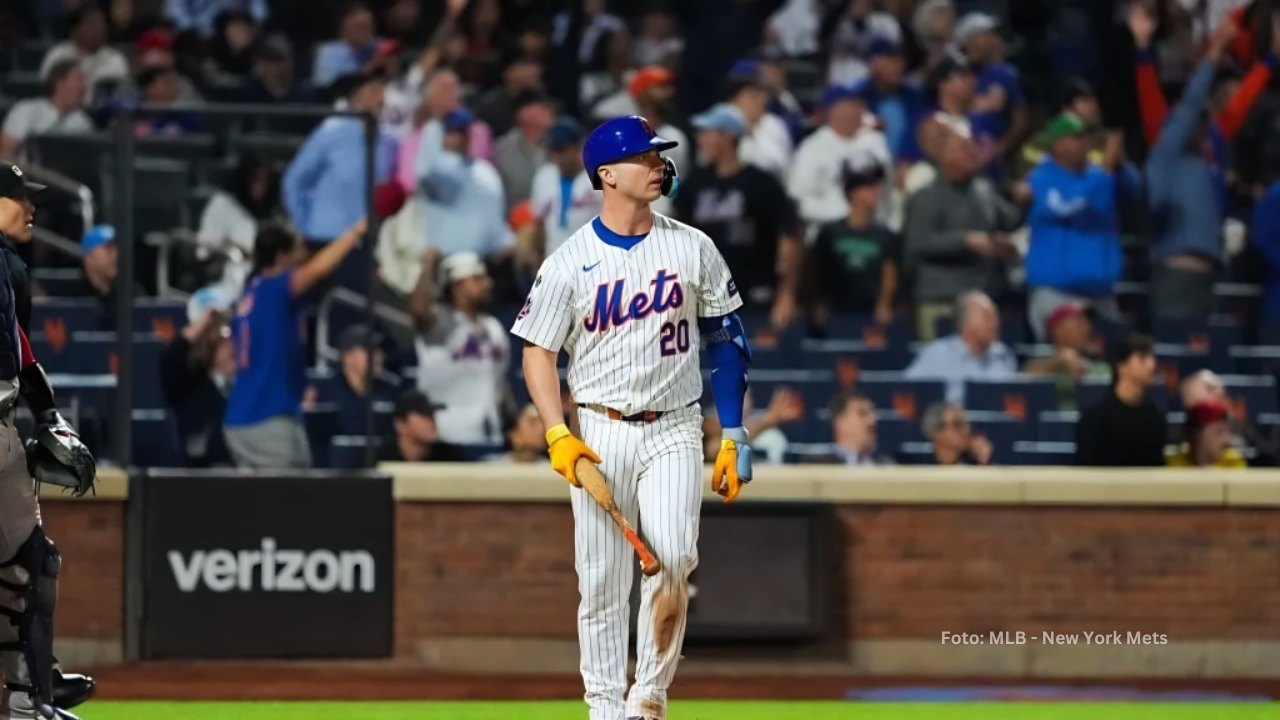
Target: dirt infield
307,681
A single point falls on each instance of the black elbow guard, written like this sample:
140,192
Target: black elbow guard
34,386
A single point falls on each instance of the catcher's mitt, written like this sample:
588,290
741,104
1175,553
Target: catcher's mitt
55,456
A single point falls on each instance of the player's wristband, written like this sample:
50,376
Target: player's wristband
735,435
556,433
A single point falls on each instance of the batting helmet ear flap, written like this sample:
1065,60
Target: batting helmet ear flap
670,178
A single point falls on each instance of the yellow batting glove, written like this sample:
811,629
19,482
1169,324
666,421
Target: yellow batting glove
565,449
733,464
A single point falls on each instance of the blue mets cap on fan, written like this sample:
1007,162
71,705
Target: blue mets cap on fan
619,138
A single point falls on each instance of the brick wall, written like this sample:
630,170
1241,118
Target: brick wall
484,569
1195,574
912,571
90,536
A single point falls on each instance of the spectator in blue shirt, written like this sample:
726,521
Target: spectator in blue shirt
1074,248
324,186
263,422
353,51
1187,198
896,103
201,16
465,208
973,352
1000,115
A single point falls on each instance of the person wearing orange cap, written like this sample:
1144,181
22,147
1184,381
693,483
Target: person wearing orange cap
651,94
1209,439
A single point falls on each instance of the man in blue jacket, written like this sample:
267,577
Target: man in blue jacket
1074,252
1187,197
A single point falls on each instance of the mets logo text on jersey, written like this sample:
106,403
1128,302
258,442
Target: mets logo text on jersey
611,310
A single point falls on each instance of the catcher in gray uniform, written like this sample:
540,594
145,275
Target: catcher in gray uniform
29,561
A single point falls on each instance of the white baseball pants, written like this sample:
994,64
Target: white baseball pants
655,473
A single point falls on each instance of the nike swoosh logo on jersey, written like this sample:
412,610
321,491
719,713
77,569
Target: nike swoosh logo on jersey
589,268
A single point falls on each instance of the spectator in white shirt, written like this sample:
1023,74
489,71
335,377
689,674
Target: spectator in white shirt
462,349
793,29
846,140
61,110
659,43
562,196
230,220
766,143
88,46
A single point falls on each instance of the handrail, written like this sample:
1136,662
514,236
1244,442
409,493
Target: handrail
324,350
63,245
164,240
66,184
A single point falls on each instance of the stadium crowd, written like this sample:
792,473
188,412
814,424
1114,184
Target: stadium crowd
967,231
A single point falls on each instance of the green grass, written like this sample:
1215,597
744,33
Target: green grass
681,710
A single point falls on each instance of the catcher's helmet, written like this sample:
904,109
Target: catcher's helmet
619,138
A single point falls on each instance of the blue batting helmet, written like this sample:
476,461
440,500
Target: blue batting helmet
619,138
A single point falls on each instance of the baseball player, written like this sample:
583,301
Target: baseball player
630,297
29,562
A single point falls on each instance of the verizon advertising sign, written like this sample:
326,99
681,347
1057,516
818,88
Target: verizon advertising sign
264,567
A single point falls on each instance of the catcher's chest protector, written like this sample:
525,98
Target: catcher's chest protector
10,347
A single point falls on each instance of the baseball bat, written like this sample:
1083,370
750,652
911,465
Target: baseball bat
593,482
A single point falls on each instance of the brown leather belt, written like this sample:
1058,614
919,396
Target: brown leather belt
645,416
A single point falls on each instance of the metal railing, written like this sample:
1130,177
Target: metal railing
82,193
325,350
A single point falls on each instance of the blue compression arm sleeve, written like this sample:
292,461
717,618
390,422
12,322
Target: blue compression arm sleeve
727,345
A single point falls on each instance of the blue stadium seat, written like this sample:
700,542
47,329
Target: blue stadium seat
1021,399
1251,396
320,422
815,390
898,333
58,317
160,317
1043,453
849,358
1174,362
93,353
1269,332
1200,336
1002,431
155,440
1255,359
347,452
914,453
799,453
477,453
890,391
893,430
1057,426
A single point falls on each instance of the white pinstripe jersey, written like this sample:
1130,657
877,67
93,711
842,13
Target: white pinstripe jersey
628,319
